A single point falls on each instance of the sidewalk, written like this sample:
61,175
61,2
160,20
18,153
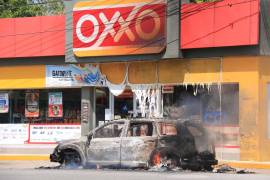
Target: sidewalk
29,164
26,152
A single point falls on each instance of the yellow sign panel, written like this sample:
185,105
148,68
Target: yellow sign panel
22,77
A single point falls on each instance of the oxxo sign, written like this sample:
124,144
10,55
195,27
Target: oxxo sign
119,27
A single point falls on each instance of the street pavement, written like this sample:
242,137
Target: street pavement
37,170
85,174
25,165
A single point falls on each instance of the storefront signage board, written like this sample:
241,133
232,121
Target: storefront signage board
13,133
168,89
73,76
105,28
46,133
4,102
55,104
126,30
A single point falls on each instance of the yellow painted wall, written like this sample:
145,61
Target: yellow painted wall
264,78
115,72
22,77
244,70
189,71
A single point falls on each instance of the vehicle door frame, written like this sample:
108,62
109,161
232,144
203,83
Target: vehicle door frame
144,156
118,140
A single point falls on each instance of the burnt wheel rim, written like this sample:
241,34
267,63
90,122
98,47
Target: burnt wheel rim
164,160
72,160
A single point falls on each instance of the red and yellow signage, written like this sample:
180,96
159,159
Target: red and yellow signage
114,27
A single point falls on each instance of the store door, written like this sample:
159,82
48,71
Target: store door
123,105
102,103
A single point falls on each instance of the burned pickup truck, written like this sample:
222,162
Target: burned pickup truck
140,143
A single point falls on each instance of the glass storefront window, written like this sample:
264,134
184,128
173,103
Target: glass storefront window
19,99
215,106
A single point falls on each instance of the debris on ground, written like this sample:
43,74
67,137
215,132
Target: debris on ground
159,168
163,167
224,168
49,167
176,169
244,171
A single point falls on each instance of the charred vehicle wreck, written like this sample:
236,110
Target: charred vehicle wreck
140,143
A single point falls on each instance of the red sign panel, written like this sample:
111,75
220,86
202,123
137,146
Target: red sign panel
220,24
113,27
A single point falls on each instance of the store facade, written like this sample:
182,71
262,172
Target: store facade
228,94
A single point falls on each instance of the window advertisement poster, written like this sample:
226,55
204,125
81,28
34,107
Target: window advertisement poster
50,133
4,102
14,133
55,104
74,75
32,104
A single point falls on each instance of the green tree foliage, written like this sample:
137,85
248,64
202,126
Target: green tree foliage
55,7
29,8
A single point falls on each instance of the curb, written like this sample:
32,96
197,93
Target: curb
24,157
247,164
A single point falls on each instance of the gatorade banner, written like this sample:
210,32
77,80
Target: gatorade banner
72,75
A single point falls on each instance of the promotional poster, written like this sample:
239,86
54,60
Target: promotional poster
51,133
32,104
4,103
13,133
55,104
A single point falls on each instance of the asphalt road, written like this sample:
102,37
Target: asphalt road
84,174
30,170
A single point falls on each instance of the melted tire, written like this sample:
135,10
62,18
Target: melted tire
167,160
208,168
71,159
191,164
